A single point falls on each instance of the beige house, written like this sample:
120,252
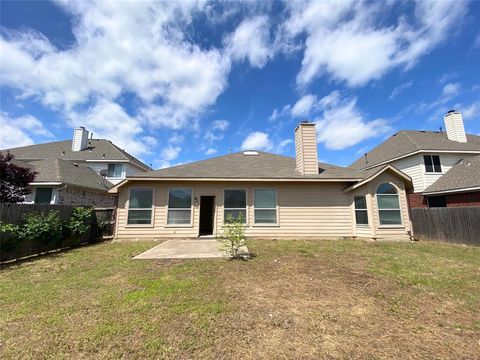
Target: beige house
276,196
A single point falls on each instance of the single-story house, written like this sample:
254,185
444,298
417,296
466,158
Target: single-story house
276,196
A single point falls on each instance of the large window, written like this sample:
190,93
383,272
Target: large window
361,212
115,170
265,205
388,205
140,206
43,195
235,204
179,207
432,164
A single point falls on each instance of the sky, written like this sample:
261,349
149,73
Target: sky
175,82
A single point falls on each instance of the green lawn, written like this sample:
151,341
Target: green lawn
294,299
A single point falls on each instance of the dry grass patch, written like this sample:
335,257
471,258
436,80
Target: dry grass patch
294,299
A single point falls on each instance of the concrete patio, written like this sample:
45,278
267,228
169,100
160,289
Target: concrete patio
187,249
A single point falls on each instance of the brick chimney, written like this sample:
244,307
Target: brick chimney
80,139
306,148
454,126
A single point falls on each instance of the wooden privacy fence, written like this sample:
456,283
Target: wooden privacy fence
456,225
11,248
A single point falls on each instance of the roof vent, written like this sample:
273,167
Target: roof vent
250,153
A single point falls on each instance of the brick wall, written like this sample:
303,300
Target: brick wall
463,199
417,200
80,197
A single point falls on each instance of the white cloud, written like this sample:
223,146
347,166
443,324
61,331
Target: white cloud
217,128
18,131
399,89
257,141
476,42
176,138
109,120
346,40
450,90
250,41
341,124
280,148
304,106
221,125
139,48
170,152
210,151
277,114
471,111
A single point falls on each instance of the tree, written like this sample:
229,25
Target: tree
14,180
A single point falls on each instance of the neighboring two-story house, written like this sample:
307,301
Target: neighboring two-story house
444,166
77,171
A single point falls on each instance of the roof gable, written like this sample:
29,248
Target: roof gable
239,166
406,142
463,175
67,172
97,150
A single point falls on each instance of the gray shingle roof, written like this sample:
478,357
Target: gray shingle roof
261,166
407,141
465,174
98,149
69,173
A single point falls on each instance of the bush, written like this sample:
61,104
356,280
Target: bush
37,228
233,236
80,221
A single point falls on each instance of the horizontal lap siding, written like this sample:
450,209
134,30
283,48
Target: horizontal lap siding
305,210
399,232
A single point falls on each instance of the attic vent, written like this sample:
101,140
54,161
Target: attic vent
250,153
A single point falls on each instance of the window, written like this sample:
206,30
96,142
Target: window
43,195
432,163
361,213
388,205
235,204
437,201
265,205
140,206
115,170
179,206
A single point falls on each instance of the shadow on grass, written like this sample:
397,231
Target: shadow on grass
50,254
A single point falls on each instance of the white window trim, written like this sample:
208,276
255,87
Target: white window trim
425,166
247,222
367,225
122,175
189,225
152,219
276,208
380,225
53,198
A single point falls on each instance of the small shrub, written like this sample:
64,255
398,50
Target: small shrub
37,228
233,236
80,221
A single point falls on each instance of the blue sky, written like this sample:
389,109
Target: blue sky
176,82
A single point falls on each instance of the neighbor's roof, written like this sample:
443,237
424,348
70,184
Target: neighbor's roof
67,172
409,141
462,176
240,166
98,149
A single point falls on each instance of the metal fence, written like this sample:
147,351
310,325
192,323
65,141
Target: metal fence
456,225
